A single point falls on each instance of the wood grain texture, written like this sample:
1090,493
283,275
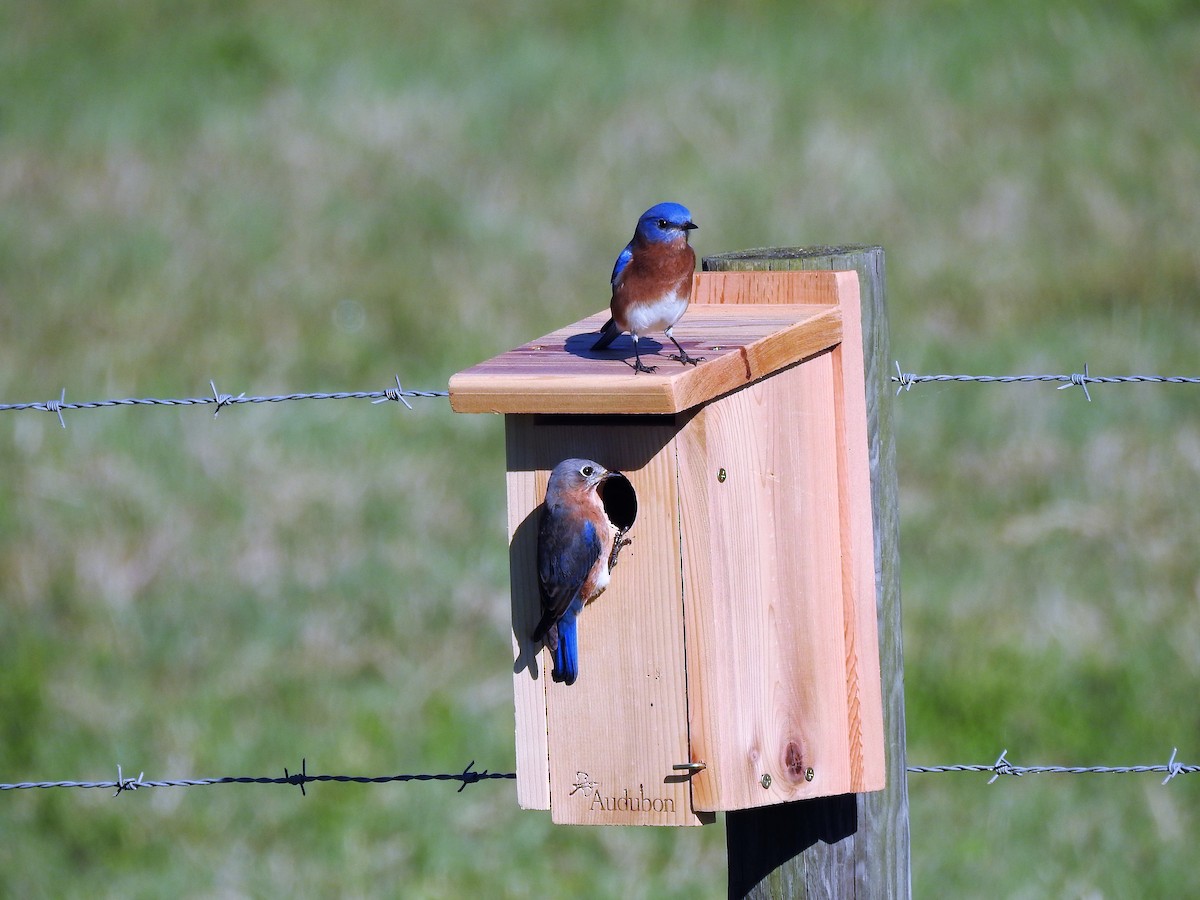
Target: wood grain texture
854,845
864,692
763,287
609,741
524,487
797,316
763,588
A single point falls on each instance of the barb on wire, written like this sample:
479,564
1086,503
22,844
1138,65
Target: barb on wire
1003,767
398,394
906,380
296,779
224,399
300,778
127,784
1078,380
56,407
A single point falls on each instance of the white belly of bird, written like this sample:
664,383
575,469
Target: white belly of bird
657,316
602,578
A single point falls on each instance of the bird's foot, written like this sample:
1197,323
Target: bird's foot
640,366
685,359
620,542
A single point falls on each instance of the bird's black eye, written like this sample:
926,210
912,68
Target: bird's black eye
586,471
663,223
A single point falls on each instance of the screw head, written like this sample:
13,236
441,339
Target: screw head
809,774
765,781
721,475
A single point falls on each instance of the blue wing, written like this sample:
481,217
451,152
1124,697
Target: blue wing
622,263
567,550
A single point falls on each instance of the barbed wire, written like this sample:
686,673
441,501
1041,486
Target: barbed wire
298,779
906,380
903,380
1003,767
398,394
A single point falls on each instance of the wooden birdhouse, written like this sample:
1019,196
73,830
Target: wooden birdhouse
733,661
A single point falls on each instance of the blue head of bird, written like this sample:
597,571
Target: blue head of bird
665,222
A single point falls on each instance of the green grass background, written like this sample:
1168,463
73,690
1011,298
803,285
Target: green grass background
318,195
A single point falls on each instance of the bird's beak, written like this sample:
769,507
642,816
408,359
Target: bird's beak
688,226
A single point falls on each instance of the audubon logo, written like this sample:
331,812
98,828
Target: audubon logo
624,802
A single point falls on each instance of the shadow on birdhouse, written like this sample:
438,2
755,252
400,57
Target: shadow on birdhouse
733,660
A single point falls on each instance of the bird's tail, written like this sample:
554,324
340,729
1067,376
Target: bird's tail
566,654
608,334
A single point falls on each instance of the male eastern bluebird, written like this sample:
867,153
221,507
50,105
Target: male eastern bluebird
576,550
652,280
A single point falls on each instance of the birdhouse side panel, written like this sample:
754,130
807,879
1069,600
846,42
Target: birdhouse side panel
533,761
860,574
764,617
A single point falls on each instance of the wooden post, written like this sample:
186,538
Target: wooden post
849,845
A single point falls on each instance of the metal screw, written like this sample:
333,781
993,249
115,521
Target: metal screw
809,774
721,476
765,781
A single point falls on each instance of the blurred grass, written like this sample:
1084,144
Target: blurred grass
319,196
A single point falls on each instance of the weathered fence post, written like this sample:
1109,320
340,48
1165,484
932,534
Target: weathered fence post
849,845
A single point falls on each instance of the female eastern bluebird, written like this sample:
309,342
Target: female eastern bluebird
576,549
652,280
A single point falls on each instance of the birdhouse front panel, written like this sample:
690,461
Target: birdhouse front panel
602,750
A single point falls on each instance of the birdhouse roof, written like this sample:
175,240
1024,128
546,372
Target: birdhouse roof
745,325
